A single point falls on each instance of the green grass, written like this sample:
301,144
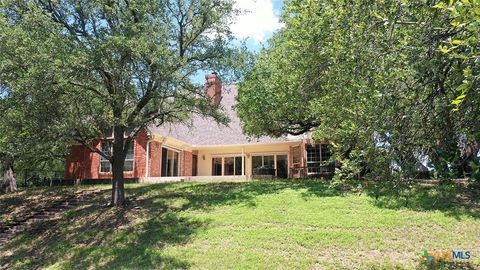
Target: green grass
253,225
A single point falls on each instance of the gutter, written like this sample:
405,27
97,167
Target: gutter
243,145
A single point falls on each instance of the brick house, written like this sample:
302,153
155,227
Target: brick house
205,150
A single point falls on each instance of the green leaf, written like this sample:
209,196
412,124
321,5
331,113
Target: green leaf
376,15
443,49
440,5
463,87
467,72
455,23
457,101
456,42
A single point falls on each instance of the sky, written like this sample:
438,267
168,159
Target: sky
257,23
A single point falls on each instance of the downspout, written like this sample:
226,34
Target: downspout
147,161
304,159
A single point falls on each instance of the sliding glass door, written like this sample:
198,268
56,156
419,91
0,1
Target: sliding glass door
170,162
282,166
227,165
217,166
277,162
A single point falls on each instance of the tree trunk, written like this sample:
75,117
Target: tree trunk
118,189
118,162
9,181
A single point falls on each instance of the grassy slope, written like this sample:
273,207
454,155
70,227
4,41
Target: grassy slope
27,201
249,226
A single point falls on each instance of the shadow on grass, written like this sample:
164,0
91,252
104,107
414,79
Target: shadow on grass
446,265
138,246
104,238
26,201
206,195
452,200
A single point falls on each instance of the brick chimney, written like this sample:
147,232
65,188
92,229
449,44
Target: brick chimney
213,86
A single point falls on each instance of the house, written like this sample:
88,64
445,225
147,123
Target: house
205,150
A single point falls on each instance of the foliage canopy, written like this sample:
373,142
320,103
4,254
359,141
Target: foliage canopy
384,81
115,65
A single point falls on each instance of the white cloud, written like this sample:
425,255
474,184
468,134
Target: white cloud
257,20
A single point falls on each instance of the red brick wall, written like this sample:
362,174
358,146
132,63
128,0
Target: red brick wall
186,169
83,164
140,153
77,163
155,150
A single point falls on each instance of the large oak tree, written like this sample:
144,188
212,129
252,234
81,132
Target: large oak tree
115,65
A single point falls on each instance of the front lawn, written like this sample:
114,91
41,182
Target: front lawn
252,225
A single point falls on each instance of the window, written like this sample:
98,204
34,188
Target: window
169,162
173,162
263,161
269,162
106,167
231,166
296,155
257,161
313,158
108,132
128,166
325,152
238,166
317,156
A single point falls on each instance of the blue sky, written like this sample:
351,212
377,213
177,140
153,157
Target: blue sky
258,22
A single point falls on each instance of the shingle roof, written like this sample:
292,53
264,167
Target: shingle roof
206,131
